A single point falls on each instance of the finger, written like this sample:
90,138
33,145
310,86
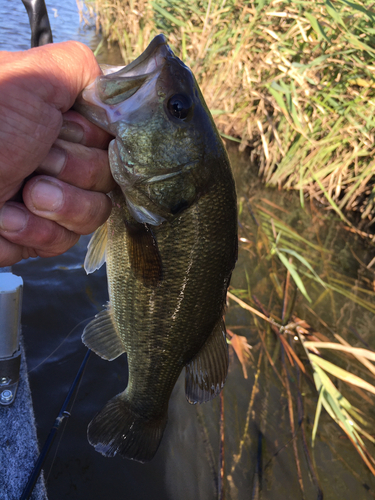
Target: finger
75,209
24,235
77,129
10,253
37,86
84,167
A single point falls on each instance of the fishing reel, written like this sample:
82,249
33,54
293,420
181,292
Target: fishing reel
10,321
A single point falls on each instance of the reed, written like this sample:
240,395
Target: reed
294,284
291,82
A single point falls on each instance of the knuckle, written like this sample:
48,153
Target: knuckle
59,242
92,174
96,213
48,236
97,170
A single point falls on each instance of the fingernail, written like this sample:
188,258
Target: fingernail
12,219
46,196
54,162
71,131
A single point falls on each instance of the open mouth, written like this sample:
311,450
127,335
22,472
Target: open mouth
129,93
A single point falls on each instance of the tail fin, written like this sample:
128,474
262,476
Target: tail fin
117,429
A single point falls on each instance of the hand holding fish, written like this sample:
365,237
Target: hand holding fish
54,170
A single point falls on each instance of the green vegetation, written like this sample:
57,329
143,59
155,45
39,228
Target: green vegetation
291,80
303,309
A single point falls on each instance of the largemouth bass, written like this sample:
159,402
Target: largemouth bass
170,246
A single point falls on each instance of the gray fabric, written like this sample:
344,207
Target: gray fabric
18,443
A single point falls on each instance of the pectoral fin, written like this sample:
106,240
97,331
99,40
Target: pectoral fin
145,259
207,371
101,337
96,248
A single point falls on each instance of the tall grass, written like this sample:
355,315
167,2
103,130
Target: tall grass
291,81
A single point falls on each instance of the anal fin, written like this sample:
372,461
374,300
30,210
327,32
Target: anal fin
101,337
207,371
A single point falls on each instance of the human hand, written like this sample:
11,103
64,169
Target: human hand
64,153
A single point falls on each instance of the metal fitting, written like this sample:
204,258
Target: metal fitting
6,396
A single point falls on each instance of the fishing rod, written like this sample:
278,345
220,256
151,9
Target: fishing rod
63,414
41,34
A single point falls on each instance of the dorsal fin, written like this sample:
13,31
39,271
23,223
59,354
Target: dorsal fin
207,371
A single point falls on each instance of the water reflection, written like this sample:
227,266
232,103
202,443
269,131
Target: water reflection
260,460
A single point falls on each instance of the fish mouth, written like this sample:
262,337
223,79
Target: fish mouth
107,100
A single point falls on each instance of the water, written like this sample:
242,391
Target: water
15,31
269,438
259,461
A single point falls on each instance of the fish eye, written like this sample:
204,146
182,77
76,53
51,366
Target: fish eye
179,106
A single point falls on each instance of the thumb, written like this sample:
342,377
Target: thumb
56,73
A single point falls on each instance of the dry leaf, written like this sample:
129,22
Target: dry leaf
241,348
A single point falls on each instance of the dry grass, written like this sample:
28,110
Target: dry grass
292,81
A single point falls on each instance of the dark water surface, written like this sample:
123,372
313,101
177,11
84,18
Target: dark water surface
259,463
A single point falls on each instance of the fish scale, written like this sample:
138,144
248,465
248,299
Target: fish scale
170,245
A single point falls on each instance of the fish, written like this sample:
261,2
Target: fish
170,246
